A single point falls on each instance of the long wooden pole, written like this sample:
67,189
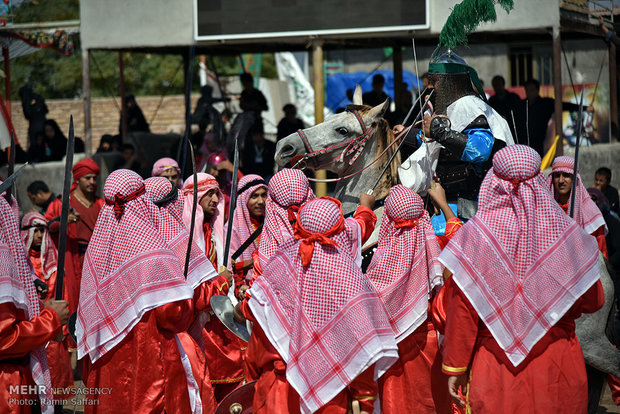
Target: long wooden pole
121,75
7,79
557,85
397,61
613,85
88,136
319,101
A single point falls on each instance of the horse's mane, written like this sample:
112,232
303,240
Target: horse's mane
385,136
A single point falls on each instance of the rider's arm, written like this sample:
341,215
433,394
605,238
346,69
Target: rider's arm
474,144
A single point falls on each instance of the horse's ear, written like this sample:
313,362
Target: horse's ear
378,111
357,96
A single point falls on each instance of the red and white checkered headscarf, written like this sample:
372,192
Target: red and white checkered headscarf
128,268
206,182
242,227
170,225
49,254
325,318
405,269
521,261
587,214
17,287
287,188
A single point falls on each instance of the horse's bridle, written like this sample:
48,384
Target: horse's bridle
353,146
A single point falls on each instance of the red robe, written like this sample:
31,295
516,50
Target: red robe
58,356
551,379
222,348
415,381
417,373
599,235
78,236
273,394
143,373
17,338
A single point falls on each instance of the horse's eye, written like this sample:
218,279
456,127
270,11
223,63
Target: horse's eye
342,131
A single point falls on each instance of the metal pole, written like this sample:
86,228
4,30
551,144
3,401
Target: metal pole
397,62
7,79
557,85
613,85
319,102
121,75
88,133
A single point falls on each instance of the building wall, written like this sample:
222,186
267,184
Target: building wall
584,56
526,14
170,117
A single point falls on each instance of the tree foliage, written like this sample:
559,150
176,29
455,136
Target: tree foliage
57,76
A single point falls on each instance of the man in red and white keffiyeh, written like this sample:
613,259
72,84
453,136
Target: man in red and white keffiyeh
405,271
133,299
44,254
322,336
200,275
586,213
26,324
44,258
249,215
222,348
172,228
209,226
523,271
288,188
169,169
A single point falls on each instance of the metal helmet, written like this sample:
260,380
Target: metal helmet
453,78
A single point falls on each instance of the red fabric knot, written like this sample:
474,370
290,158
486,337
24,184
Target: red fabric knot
306,247
514,181
403,223
120,200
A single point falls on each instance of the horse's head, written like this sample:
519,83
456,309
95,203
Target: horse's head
325,142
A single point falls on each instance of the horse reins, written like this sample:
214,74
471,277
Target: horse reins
397,138
353,146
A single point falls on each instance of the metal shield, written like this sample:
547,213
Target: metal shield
239,401
223,309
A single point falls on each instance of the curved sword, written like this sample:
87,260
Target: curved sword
64,212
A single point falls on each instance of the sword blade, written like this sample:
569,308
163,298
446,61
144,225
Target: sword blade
194,207
11,169
64,214
11,179
233,201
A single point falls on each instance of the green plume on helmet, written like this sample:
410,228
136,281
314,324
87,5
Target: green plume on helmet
465,18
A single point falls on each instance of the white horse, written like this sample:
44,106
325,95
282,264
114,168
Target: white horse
355,144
